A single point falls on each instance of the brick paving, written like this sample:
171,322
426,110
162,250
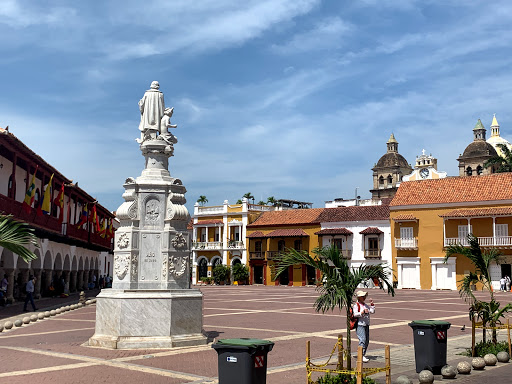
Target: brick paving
55,350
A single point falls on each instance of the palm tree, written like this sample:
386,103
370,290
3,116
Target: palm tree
340,281
261,202
249,196
15,236
504,162
489,312
202,200
271,201
239,201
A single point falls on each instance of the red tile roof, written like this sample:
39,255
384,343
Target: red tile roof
204,222
256,234
287,232
334,231
454,190
371,231
288,217
503,211
359,213
406,217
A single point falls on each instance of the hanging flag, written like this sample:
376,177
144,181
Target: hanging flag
103,230
110,229
59,202
94,219
31,192
46,205
83,217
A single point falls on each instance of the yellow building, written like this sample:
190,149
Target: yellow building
219,234
429,215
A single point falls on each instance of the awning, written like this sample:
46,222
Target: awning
287,233
334,231
488,212
406,217
371,231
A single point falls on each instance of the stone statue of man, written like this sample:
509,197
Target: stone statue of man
152,109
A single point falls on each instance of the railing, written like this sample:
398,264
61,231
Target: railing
255,207
207,246
235,244
256,255
212,209
406,243
271,255
372,253
346,253
482,241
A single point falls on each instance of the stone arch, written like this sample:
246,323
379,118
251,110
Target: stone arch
81,264
469,171
202,267
7,259
47,263
21,264
86,264
215,261
74,264
236,260
96,265
36,263
57,265
67,263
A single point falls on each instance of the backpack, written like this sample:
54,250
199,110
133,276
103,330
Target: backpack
353,319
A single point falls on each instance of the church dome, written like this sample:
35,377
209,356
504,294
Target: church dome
479,148
392,159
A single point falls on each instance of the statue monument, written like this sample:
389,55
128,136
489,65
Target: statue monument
151,303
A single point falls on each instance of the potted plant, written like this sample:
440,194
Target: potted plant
220,274
240,273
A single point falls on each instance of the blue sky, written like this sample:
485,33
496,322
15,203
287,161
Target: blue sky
293,99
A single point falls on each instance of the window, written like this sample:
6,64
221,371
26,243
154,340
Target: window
406,233
381,180
280,245
373,243
217,234
257,246
338,243
9,187
203,235
390,179
469,171
297,245
479,170
501,230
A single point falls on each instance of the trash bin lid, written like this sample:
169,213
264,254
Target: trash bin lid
430,323
245,342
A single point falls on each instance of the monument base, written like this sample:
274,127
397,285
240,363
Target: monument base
142,319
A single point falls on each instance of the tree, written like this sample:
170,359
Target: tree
488,312
504,162
340,281
249,196
16,236
202,200
261,202
239,201
240,272
271,201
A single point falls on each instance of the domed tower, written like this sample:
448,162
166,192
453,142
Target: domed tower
496,139
471,162
389,171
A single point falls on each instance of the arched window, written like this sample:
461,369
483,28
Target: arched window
236,261
257,246
381,180
280,245
216,262
203,268
469,171
390,179
479,170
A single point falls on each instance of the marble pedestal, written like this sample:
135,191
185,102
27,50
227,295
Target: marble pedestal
127,319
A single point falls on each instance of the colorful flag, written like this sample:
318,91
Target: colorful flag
31,192
46,205
83,217
59,202
103,230
110,229
94,219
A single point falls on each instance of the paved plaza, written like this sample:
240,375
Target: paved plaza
55,350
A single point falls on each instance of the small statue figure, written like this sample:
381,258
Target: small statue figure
165,123
152,108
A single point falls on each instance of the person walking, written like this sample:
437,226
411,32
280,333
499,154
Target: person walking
29,288
362,312
503,283
507,283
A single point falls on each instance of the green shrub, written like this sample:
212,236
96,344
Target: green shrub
240,272
342,378
220,273
207,280
482,349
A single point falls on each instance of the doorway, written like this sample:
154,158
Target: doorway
284,278
258,274
203,268
506,270
310,275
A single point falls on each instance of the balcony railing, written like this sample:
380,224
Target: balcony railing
271,255
406,243
255,207
207,246
213,209
372,253
499,241
233,244
256,255
346,253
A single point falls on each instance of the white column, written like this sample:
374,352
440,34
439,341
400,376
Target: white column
206,235
194,234
400,275
434,276
444,231
493,230
418,273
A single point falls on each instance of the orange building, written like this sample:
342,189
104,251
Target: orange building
429,215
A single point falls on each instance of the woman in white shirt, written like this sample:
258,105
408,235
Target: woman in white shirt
362,312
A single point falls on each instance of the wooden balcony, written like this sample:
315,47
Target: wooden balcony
272,255
372,253
256,255
406,243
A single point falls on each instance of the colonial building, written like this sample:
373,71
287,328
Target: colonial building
425,168
429,215
471,162
65,250
496,139
389,171
219,234
362,234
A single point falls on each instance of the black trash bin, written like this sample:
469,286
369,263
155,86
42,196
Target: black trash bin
430,338
243,361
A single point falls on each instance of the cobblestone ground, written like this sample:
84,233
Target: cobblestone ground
55,349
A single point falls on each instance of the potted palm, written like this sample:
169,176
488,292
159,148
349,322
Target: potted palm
240,273
220,274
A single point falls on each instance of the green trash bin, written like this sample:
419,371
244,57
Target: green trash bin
430,342
242,361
